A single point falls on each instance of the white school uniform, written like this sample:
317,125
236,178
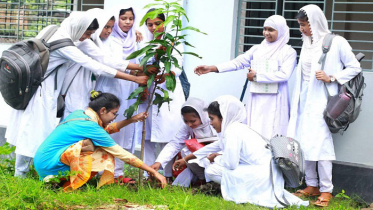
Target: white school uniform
243,169
30,127
268,114
177,143
78,94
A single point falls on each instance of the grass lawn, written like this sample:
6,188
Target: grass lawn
30,193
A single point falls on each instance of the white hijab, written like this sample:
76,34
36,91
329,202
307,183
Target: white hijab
73,27
318,24
128,40
204,130
267,49
103,18
232,110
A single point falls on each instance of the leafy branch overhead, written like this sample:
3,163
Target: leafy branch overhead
160,53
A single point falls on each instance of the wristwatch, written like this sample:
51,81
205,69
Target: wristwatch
254,78
332,78
135,72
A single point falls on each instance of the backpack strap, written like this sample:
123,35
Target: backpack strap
55,45
68,87
76,119
48,34
286,202
326,44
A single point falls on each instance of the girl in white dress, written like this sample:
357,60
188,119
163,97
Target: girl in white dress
307,123
243,167
29,128
197,125
267,114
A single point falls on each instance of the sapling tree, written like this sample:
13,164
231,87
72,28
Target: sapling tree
159,54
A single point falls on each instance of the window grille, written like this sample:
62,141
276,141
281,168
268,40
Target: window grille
23,19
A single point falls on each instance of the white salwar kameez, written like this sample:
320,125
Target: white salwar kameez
29,128
121,45
307,123
162,124
177,143
78,94
243,169
268,114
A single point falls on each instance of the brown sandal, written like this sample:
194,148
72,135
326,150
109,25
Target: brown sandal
314,192
323,200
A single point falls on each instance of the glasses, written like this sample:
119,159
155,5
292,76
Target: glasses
116,115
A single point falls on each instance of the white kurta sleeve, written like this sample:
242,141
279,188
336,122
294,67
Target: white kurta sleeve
89,48
352,65
241,62
288,64
232,151
72,53
174,146
204,151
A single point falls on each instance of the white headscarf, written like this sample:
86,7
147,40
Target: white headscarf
128,39
318,24
103,18
232,110
73,27
268,49
203,130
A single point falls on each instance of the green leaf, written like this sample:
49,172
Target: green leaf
156,34
170,37
159,41
191,53
145,59
136,92
169,50
167,66
175,62
178,23
160,53
193,29
158,99
151,5
188,44
129,112
170,82
168,20
139,52
150,80
151,15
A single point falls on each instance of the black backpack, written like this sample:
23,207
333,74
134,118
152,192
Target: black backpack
23,66
354,88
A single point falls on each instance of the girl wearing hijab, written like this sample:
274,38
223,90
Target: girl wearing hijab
82,146
121,43
243,168
307,124
267,114
79,81
197,126
162,124
29,128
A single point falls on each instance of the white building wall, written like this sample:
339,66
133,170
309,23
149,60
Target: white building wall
218,18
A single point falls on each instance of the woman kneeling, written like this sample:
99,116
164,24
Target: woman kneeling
81,145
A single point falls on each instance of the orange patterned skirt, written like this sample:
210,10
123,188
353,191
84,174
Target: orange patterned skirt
85,165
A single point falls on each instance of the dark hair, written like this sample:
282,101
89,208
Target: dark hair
107,100
160,16
93,25
214,109
302,16
189,109
123,11
112,18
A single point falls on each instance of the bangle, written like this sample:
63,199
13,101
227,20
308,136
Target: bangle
185,160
